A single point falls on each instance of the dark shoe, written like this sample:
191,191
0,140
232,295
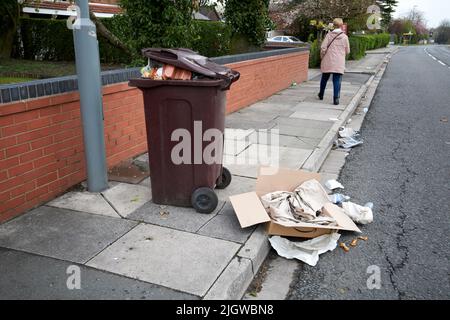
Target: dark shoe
320,96
336,101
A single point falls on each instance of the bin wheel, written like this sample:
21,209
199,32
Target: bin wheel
224,180
204,200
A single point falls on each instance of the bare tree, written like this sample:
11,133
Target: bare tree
287,11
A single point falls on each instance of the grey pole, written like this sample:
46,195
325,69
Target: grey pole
90,88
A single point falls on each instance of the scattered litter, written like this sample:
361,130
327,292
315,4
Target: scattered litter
444,119
369,205
338,198
347,132
135,199
349,121
290,182
349,138
344,247
359,214
348,143
354,242
306,251
294,84
303,205
333,184
447,143
333,119
366,110
364,238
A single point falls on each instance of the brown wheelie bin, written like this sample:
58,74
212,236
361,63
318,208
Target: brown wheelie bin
194,106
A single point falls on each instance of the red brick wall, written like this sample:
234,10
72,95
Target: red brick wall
41,144
261,78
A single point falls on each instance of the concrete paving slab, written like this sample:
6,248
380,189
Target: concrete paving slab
235,123
350,78
254,115
247,163
183,261
316,105
236,141
25,276
62,234
185,219
317,114
272,137
226,227
242,170
238,185
335,159
275,156
278,278
143,158
280,109
303,128
233,282
147,182
234,147
126,198
85,202
228,209
256,248
285,99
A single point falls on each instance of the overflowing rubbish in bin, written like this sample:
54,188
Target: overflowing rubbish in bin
184,101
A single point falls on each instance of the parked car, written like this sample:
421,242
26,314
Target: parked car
285,39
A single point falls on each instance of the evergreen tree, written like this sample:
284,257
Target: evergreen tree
387,9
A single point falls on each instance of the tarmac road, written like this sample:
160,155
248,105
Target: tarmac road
403,167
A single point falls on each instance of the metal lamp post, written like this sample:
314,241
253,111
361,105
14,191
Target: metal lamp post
90,88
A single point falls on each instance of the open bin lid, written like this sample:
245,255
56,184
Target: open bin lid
192,61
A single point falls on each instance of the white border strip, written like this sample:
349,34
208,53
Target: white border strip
62,12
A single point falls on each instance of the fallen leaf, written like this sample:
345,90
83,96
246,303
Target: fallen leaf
344,247
164,213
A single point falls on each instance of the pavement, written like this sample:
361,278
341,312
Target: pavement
127,247
403,168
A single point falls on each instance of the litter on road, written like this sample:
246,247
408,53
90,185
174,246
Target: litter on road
359,214
304,204
344,247
306,251
338,198
333,185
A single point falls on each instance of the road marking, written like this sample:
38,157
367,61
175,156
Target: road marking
435,59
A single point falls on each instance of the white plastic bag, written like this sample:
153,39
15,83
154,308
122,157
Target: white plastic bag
359,214
306,251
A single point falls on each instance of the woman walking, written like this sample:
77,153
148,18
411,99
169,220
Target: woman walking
333,51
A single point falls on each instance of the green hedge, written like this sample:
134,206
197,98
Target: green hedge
358,47
361,43
314,54
213,38
51,40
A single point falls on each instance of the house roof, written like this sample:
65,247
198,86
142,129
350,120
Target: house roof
111,9
210,12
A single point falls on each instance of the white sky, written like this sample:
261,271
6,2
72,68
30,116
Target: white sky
435,10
